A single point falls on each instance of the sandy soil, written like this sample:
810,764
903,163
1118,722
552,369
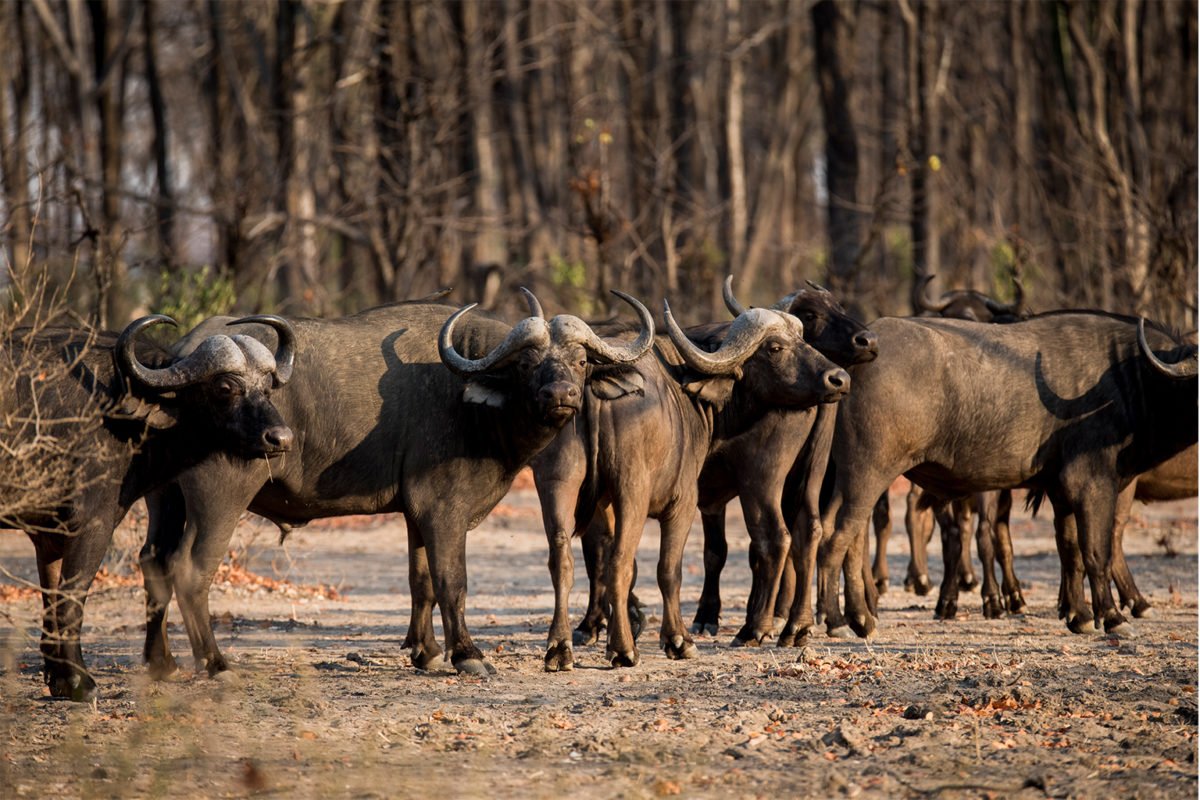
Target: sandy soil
325,702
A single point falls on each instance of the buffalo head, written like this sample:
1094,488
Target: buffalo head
545,363
969,304
221,389
764,349
827,326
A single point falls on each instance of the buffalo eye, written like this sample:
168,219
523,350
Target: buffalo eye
227,388
774,348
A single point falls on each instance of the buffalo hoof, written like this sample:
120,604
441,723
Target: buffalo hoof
587,633
629,658
707,619
920,585
637,620
881,585
704,628
216,665
161,670
75,687
474,666
967,582
945,609
1122,630
840,632
680,648
1015,602
992,607
226,676
777,624
1141,608
424,659
863,625
559,658
1081,623
793,638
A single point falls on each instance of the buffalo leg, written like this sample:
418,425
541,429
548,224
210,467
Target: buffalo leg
164,536
424,650
1130,596
806,541
446,551
1094,506
674,525
49,549
844,553
630,517
206,535
81,557
1071,604
868,576
947,603
881,518
770,542
918,522
597,551
716,551
985,534
963,510
1013,599
558,499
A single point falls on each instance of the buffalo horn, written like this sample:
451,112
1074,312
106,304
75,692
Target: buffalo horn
535,308
1185,368
997,308
568,328
215,355
744,336
285,354
731,302
529,332
921,299
817,287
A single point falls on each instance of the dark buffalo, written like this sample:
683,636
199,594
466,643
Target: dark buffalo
161,415
644,441
396,409
843,340
1089,405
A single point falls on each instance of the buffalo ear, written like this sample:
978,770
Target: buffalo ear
612,381
135,409
714,391
483,394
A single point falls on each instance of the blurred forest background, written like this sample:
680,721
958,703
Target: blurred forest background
322,156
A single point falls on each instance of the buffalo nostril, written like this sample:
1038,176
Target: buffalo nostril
864,341
837,380
278,438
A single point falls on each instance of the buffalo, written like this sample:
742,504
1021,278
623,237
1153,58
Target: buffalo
160,415
1089,405
397,408
719,394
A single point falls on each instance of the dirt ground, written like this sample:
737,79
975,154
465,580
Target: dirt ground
325,703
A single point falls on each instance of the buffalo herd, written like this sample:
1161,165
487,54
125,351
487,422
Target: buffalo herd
798,410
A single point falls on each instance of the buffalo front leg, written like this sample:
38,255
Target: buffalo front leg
49,549
1094,509
629,517
770,542
947,603
964,512
674,525
1013,599
164,537
860,591
918,523
716,551
558,516
446,550
806,540
1071,604
881,519
424,650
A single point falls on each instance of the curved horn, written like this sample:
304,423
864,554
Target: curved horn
285,353
166,378
1180,369
921,299
745,334
568,328
731,302
528,332
535,308
1014,308
817,287
785,304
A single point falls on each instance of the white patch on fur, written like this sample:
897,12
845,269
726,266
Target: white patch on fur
478,393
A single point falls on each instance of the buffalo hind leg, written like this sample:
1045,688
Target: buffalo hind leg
1094,503
81,557
1014,601
1127,589
446,552
947,602
164,536
918,523
770,542
1071,604
985,535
